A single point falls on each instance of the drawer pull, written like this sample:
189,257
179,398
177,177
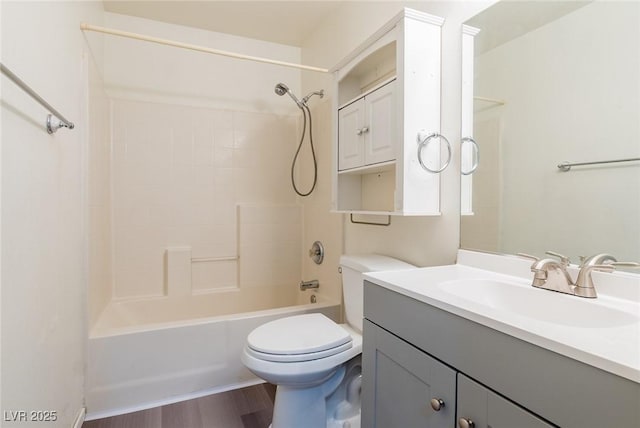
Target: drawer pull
466,423
437,404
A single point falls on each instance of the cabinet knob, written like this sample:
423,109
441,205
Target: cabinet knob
365,129
466,423
359,131
437,404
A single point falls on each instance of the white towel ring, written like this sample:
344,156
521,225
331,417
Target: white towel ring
423,142
476,149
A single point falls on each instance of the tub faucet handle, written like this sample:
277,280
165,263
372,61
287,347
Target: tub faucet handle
317,252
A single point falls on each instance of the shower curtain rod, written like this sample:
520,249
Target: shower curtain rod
136,36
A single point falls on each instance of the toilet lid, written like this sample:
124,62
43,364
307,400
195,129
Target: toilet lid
298,335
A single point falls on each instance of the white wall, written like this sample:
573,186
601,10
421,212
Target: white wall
44,214
572,94
422,241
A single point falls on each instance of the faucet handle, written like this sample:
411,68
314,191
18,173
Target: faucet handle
601,268
563,259
632,265
528,256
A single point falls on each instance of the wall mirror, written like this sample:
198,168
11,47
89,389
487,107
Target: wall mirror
556,82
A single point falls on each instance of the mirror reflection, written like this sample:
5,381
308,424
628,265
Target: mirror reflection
556,82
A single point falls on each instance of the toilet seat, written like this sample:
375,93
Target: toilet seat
298,338
298,358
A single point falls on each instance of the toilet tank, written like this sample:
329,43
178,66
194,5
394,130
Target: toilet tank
353,266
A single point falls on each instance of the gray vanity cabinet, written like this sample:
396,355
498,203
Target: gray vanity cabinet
413,351
399,383
487,409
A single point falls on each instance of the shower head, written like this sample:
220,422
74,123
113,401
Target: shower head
282,89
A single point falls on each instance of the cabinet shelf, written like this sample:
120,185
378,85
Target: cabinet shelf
370,169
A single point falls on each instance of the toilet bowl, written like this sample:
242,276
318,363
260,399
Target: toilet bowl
314,361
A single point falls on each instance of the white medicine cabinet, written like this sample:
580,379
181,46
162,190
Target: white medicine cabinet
388,101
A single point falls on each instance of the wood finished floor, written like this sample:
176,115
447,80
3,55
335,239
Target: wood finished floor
250,407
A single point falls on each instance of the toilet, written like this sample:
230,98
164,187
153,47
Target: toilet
314,361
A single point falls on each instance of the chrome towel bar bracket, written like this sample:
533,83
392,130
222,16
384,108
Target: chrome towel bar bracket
55,120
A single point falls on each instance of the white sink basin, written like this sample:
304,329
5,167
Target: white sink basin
540,305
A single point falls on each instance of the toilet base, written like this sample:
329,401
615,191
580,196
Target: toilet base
333,404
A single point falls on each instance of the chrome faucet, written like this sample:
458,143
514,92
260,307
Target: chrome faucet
600,262
584,283
552,274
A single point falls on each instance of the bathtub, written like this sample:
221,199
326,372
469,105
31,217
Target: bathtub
150,352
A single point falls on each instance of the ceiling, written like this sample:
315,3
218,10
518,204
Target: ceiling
285,22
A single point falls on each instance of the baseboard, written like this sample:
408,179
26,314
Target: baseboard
171,400
80,418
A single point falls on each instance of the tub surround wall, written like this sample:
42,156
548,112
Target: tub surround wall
213,182
318,223
100,280
191,148
270,245
44,209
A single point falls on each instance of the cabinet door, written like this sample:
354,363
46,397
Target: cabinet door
487,409
380,124
351,135
399,381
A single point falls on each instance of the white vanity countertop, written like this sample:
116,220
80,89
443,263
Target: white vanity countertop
613,347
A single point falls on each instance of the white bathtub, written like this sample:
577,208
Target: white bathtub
151,352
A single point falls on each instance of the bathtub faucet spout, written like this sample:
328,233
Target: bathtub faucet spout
305,285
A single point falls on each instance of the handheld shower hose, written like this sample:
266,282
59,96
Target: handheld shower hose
282,89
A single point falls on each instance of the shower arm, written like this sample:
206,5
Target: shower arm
319,93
